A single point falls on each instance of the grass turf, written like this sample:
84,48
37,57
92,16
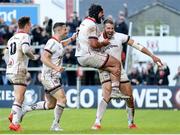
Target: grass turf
79,121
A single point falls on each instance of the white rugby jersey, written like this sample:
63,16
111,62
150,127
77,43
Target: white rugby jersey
17,59
88,29
55,48
115,47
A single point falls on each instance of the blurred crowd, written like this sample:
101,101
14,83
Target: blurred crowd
16,1
39,37
149,74
139,75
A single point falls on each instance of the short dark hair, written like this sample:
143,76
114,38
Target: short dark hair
108,21
94,10
23,21
58,24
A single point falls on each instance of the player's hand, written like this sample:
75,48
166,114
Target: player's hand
59,69
105,42
36,56
74,36
157,61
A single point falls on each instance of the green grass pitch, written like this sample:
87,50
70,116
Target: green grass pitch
79,121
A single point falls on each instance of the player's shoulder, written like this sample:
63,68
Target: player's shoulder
119,35
89,22
22,35
51,42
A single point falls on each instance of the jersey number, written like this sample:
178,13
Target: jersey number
13,48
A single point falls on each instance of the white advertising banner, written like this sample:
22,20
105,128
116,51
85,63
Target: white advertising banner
54,9
156,44
160,44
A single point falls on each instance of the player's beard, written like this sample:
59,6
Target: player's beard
99,19
109,36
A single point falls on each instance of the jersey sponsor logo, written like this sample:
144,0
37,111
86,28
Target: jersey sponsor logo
109,47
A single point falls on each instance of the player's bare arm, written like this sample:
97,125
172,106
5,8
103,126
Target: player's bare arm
94,43
28,52
46,59
143,49
69,40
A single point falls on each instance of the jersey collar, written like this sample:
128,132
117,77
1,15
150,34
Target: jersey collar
55,38
21,31
90,18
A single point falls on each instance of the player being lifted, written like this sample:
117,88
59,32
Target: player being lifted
115,48
88,48
52,66
17,54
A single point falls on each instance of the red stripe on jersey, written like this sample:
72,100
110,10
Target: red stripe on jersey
55,39
92,19
20,31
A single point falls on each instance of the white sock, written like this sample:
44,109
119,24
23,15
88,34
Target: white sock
100,111
58,110
130,115
17,111
42,105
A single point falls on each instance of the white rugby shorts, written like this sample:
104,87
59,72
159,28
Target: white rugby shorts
105,76
95,59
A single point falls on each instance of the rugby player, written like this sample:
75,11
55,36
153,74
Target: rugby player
17,54
52,66
115,49
88,48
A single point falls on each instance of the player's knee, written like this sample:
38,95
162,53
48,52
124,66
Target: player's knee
107,94
64,100
19,99
51,105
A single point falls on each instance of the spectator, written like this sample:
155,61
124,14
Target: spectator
69,60
3,79
45,22
110,17
73,23
149,75
4,1
8,33
135,77
36,35
49,27
3,28
177,77
122,27
162,75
